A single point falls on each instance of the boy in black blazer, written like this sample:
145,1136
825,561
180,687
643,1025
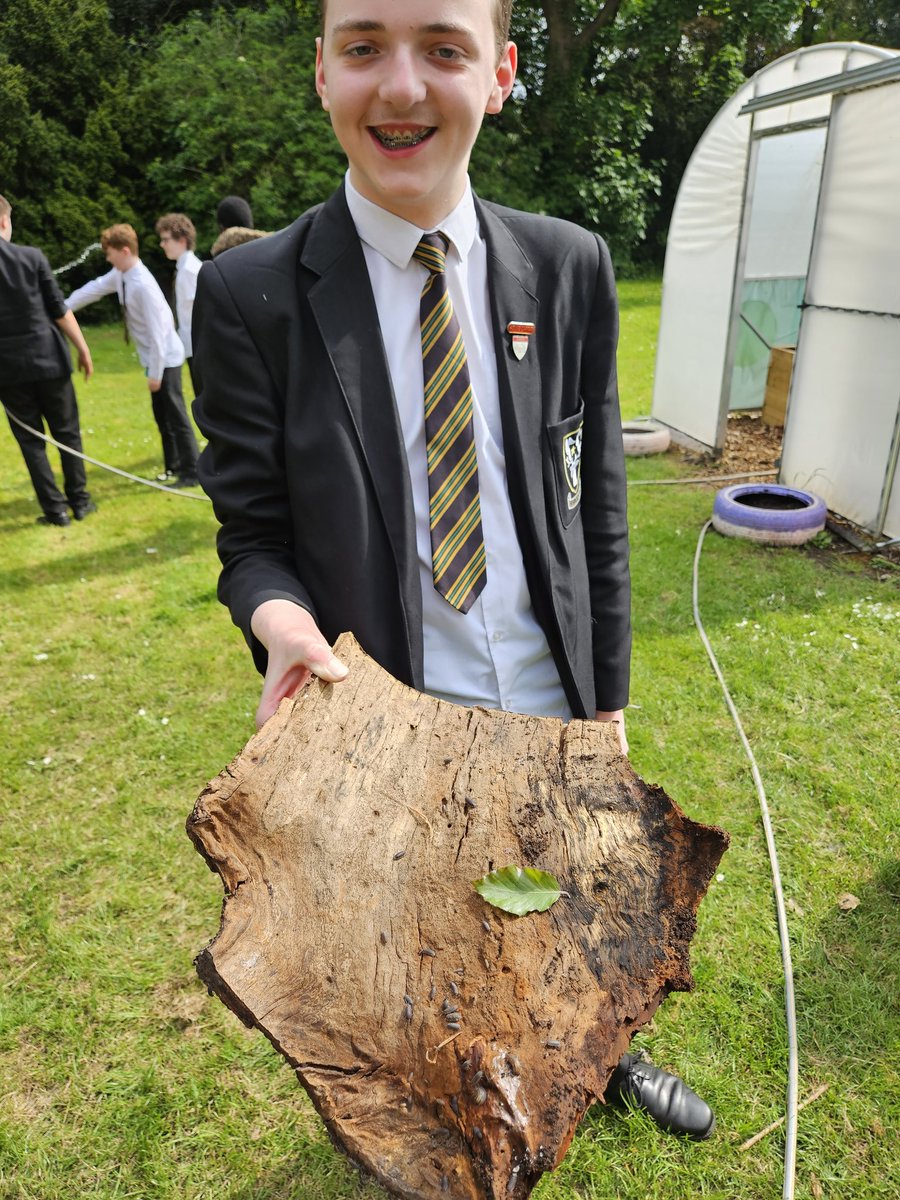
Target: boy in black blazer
411,408
36,373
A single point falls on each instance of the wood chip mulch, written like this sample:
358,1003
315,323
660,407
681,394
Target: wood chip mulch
749,446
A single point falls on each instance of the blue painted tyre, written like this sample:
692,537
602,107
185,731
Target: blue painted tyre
768,513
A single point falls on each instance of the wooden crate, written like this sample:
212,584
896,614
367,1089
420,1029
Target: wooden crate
778,384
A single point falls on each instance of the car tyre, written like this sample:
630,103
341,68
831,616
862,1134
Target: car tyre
769,513
645,437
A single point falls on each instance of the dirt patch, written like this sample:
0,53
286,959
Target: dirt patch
749,446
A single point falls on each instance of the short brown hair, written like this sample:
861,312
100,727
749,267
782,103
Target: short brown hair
120,237
502,19
235,235
178,226
5,207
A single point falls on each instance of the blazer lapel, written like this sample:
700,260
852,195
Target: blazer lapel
519,379
344,309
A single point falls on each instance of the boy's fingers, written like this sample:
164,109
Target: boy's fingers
326,666
320,662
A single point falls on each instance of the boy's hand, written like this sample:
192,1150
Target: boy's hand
154,384
297,649
619,717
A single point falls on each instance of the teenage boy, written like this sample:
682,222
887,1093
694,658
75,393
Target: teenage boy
149,323
177,239
36,373
410,400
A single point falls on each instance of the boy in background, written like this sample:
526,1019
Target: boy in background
149,324
177,239
36,373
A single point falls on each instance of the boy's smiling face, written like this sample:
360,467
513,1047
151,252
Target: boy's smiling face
407,83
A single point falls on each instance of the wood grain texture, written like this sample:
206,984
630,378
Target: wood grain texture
348,834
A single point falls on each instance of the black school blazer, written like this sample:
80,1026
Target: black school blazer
306,465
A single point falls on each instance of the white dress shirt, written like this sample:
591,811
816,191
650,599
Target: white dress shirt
496,655
187,268
147,315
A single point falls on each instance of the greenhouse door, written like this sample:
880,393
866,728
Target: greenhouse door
783,178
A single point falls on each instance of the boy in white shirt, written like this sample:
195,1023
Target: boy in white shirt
150,325
177,239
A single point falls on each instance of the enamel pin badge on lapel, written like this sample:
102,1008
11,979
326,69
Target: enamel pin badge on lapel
520,332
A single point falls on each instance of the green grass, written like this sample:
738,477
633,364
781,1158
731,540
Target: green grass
125,688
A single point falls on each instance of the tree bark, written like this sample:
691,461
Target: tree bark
449,1047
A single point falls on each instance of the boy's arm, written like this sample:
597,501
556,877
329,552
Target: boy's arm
51,293
63,317
95,289
72,330
242,470
603,505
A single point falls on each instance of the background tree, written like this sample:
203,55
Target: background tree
62,79
236,112
120,109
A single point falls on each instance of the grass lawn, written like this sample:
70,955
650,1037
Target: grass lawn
125,688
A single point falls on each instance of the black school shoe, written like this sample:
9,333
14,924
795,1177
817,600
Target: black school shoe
80,511
185,481
663,1097
57,518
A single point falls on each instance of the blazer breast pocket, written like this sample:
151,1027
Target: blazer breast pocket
564,442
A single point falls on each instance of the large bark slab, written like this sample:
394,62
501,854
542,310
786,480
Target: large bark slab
347,835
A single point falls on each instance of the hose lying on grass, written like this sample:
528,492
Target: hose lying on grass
790,1141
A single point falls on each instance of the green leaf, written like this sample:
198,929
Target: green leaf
518,890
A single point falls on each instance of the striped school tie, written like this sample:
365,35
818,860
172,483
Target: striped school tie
457,542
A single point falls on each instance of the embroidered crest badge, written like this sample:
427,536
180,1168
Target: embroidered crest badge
571,452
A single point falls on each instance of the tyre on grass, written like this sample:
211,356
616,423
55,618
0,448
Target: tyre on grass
768,513
644,437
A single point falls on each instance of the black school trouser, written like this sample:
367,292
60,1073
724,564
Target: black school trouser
53,401
180,452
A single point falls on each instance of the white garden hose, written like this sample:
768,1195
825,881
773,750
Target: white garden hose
790,1142
161,487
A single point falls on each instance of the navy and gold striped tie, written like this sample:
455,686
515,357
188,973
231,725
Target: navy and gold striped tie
457,542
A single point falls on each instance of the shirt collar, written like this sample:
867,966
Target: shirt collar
396,239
